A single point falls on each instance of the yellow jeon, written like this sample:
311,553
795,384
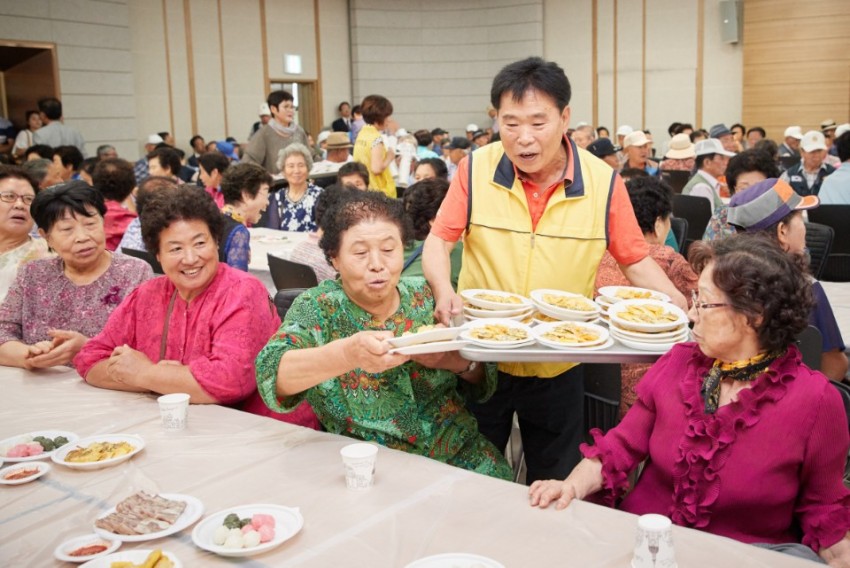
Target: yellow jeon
498,299
627,294
647,313
568,302
154,560
99,451
571,333
497,332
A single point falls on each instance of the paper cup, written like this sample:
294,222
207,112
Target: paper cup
654,543
359,463
174,409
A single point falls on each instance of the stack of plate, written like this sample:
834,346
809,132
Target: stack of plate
565,306
497,333
648,325
488,304
572,335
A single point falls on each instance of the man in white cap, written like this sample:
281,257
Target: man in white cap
636,150
140,168
807,176
711,163
622,132
471,129
791,146
265,116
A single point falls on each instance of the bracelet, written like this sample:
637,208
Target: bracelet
471,367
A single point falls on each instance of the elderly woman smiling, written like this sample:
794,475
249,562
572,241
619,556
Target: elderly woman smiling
56,304
195,330
742,439
293,207
332,348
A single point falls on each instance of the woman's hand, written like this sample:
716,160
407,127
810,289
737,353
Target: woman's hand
585,479
447,308
838,555
368,350
126,365
60,351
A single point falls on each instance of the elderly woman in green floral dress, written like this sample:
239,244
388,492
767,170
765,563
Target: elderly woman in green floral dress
332,348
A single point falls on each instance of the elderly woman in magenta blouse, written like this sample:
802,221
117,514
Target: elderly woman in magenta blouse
195,330
742,439
332,348
56,304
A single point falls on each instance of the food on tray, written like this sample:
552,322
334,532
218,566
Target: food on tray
420,329
22,473
89,550
498,332
244,533
155,559
569,302
142,513
99,451
36,446
646,313
571,333
497,298
632,294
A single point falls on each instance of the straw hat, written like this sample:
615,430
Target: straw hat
681,148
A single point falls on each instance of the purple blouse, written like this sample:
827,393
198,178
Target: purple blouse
43,298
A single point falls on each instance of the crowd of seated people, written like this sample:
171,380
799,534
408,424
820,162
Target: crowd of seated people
207,327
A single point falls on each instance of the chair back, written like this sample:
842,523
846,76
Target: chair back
676,179
284,298
679,227
810,343
602,383
146,256
287,274
324,180
818,242
837,267
697,211
788,162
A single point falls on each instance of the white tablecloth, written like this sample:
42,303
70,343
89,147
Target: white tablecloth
418,507
269,241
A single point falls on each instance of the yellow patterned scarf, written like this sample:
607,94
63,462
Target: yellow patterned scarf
746,370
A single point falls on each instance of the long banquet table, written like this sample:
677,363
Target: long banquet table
418,507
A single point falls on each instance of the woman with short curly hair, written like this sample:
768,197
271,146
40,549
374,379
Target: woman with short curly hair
740,438
245,188
195,330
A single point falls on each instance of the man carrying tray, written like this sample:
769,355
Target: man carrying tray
535,212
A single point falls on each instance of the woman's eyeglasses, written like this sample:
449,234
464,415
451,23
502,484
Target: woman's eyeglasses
11,197
700,305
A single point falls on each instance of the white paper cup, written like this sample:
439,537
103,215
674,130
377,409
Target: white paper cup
174,409
654,543
359,462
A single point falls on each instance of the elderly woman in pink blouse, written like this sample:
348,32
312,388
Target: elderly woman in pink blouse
740,438
197,329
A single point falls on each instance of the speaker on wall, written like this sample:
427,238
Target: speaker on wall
730,21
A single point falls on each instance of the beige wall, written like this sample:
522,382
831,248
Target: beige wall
645,79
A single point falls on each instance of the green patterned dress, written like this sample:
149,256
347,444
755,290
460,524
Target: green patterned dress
409,408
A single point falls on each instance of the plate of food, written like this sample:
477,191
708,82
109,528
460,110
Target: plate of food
37,445
494,299
619,293
247,530
570,335
564,305
659,337
649,347
21,473
98,452
455,560
85,548
425,334
647,315
497,333
487,313
433,347
142,516
139,558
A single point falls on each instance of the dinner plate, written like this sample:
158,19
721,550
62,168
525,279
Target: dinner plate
542,329
643,335
134,440
616,309
42,468
137,556
520,318
8,443
649,347
469,296
455,560
437,334
64,550
469,327
288,523
575,348
193,511
433,347
612,292
678,338
482,313
561,313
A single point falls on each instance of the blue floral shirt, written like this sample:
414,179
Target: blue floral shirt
298,215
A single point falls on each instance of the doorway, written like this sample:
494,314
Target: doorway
29,71
307,109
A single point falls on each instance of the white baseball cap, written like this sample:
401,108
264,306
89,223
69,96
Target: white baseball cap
155,139
794,132
323,135
813,140
625,130
842,128
265,110
471,127
636,138
711,146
